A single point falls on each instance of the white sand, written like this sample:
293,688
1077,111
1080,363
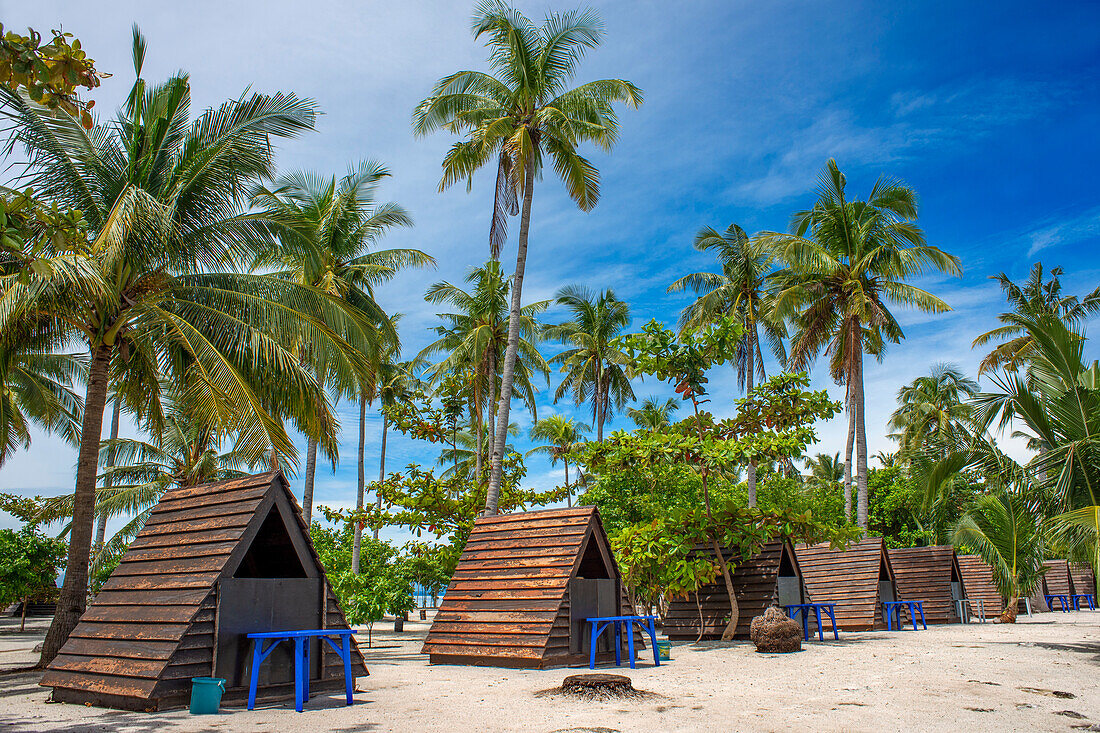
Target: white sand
949,677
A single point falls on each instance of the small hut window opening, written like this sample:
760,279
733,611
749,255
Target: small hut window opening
272,553
592,563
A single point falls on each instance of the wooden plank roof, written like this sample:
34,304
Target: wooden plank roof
978,582
925,574
1058,578
1083,579
510,584
755,583
133,633
850,579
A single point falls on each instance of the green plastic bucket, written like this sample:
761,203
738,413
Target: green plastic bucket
206,695
664,651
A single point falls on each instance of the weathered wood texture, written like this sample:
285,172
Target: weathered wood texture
1083,579
1058,578
926,574
152,627
755,585
853,579
978,582
508,601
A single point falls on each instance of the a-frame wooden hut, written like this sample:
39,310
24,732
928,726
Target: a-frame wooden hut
211,564
931,575
1058,579
523,587
1083,579
772,576
858,580
978,582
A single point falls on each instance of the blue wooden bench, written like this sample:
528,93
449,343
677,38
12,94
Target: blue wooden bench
894,607
301,659
1063,601
599,623
1087,598
817,608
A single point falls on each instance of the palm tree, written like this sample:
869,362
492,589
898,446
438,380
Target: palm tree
594,370
518,117
825,470
474,337
325,231
653,414
36,388
847,262
740,292
1031,300
561,434
1004,531
461,459
934,412
162,198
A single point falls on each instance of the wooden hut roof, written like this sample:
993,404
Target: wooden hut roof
925,574
849,578
508,598
1058,578
152,626
755,583
1083,579
978,583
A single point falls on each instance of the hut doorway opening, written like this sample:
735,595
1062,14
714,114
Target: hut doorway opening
592,592
789,587
886,589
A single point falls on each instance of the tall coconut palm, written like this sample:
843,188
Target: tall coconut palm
934,412
461,459
594,370
326,229
561,434
163,199
740,291
847,263
474,337
36,388
653,413
825,469
1006,533
1032,299
520,117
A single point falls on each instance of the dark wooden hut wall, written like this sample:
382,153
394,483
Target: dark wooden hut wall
978,582
857,580
927,574
508,602
756,584
154,624
1058,579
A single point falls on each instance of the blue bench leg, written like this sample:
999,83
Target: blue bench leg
305,677
832,617
805,623
653,640
920,607
820,630
618,644
255,677
630,642
345,652
592,647
298,690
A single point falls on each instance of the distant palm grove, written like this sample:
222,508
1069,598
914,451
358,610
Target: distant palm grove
158,265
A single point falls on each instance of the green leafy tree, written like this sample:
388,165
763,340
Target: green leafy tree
740,291
561,435
49,73
1033,299
162,198
1003,529
325,231
594,369
520,117
29,563
825,470
847,264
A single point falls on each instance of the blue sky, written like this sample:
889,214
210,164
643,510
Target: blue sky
989,111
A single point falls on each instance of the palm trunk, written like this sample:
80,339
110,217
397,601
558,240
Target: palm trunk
597,400
490,404
492,496
311,471
361,488
568,491
480,439
381,468
1011,608
74,592
861,447
751,469
848,457
101,520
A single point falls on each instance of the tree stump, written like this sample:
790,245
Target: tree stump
598,686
